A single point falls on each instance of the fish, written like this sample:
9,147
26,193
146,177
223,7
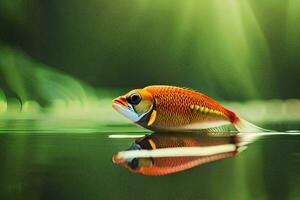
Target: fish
171,108
164,153
200,149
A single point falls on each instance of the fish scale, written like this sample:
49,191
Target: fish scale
173,107
171,165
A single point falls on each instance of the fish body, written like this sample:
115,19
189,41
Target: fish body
157,166
170,108
185,109
165,166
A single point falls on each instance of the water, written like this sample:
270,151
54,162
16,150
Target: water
64,165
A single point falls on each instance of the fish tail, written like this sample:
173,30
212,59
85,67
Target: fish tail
243,126
248,132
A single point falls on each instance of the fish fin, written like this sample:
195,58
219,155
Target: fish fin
225,130
152,118
243,126
152,143
218,128
248,131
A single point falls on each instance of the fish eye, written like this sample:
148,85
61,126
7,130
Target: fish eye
134,99
135,147
134,164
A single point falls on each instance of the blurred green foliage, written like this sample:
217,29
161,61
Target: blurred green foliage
26,79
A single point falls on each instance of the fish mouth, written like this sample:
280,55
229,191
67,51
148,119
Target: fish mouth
121,105
121,101
118,160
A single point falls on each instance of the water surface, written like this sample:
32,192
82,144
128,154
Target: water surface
66,165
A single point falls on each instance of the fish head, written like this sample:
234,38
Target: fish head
135,104
135,165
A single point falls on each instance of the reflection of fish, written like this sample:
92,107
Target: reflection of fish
211,149
172,108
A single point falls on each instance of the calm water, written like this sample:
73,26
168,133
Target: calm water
66,165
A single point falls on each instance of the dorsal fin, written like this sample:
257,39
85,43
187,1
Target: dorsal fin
190,89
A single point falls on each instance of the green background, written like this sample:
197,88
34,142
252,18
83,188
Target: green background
232,50
61,63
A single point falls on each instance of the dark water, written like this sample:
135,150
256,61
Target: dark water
78,166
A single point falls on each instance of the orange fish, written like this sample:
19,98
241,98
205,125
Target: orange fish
157,166
170,108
